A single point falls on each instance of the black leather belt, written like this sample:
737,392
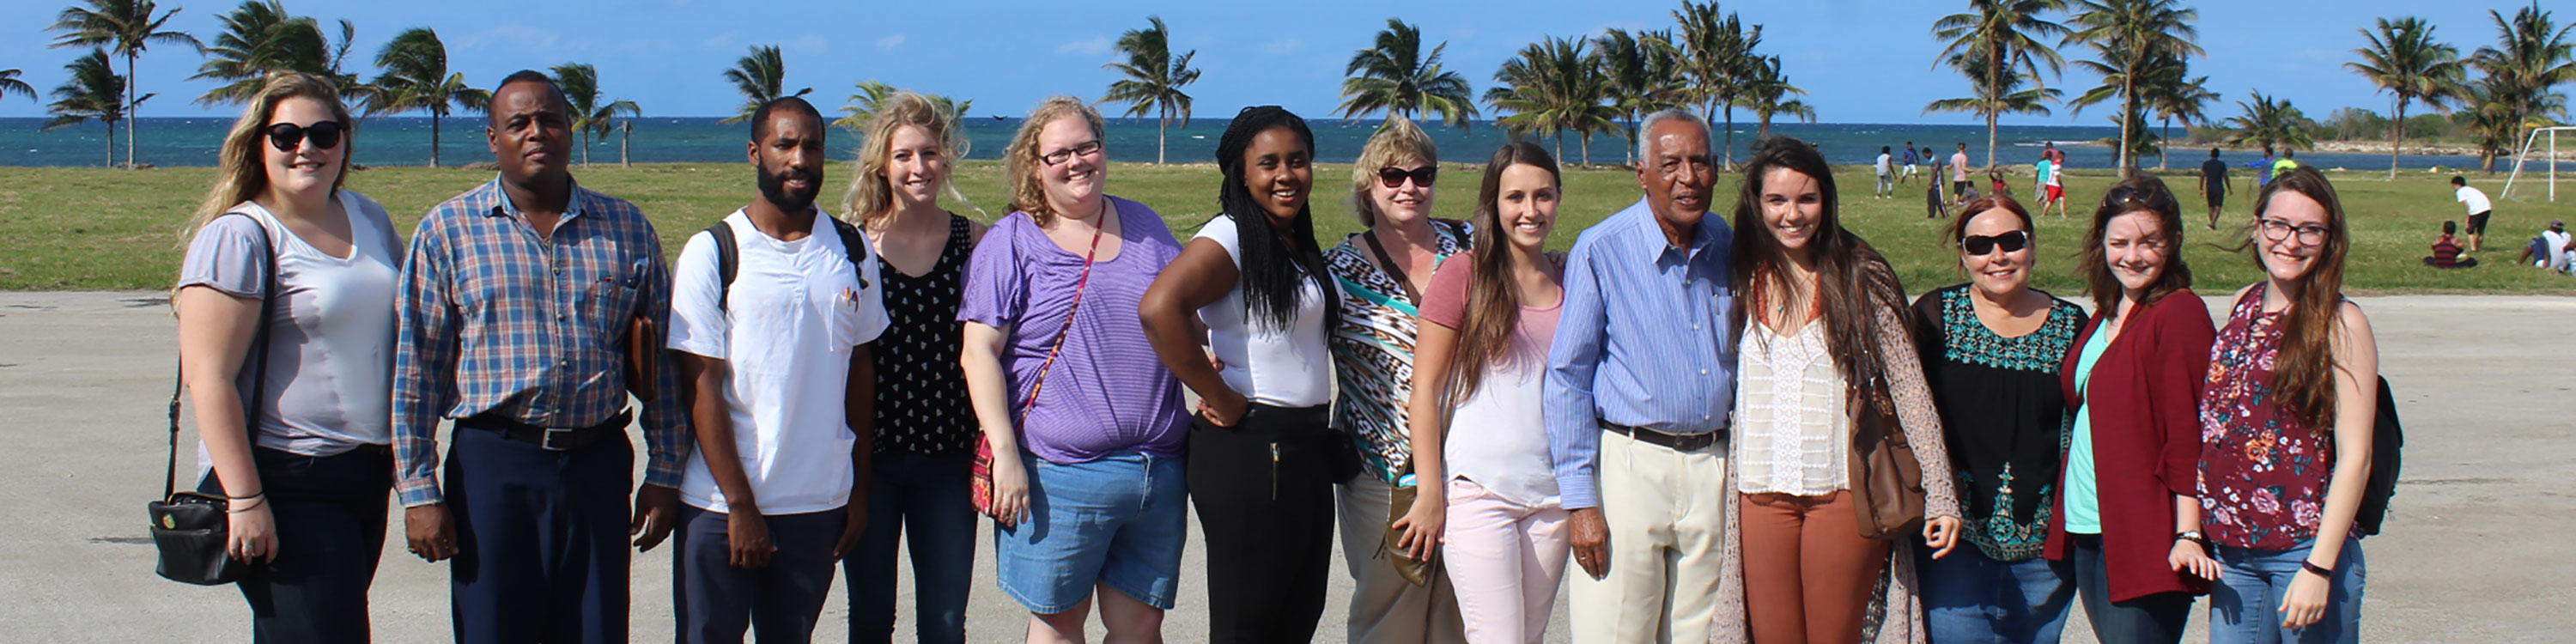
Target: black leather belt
552,439
1676,442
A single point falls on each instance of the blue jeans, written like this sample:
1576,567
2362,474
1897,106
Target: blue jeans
922,501
2155,619
1969,597
1119,520
2245,604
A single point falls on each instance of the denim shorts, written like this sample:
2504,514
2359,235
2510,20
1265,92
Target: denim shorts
1118,520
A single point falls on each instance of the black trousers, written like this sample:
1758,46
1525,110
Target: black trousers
330,514
1264,494
718,602
541,539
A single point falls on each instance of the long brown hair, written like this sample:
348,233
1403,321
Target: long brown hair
240,172
2303,372
871,197
2142,193
1020,158
1854,284
1493,306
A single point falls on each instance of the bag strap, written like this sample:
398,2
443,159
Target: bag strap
1079,286
853,244
728,262
258,348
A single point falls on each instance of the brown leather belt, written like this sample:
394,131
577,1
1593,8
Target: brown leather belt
1675,442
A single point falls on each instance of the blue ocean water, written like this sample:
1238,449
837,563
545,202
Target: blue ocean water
406,141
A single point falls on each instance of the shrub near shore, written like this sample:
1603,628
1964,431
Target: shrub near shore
98,229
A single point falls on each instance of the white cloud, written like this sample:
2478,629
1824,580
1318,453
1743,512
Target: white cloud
514,37
1285,46
890,42
807,45
726,40
1092,47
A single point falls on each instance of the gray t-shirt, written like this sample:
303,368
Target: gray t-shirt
331,335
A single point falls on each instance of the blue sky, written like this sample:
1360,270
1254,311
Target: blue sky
1861,61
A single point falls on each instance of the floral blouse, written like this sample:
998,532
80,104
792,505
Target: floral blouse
2263,472
1372,348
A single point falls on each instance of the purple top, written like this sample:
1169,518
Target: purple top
1108,392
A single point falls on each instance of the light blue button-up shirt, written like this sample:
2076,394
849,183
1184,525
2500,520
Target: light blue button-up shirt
1643,340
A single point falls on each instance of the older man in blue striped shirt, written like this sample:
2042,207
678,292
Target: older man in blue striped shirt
1638,387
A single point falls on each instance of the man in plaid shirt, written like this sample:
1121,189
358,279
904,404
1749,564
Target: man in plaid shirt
514,312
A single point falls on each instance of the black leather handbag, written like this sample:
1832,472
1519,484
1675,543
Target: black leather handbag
191,528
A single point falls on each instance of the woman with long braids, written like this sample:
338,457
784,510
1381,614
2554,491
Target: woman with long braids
1824,317
1263,459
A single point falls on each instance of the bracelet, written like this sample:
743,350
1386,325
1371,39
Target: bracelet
258,500
2195,536
2321,571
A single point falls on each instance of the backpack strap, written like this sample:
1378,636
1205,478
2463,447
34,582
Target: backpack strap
855,244
728,262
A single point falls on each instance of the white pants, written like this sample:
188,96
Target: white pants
1385,607
1667,516
1507,559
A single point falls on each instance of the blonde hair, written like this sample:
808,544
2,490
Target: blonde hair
871,195
240,172
1398,142
1028,194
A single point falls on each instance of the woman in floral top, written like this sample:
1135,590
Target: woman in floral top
1991,349
2286,424
1382,274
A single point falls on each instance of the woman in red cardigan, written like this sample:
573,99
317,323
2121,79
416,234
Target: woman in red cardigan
2127,517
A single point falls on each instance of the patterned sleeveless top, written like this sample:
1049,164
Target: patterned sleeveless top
2006,422
921,391
1372,345
2263,472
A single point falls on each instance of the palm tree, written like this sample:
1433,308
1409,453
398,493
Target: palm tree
2499,111
1394,75
1638,74
580,83
1767,92
260,37
761,77
2173,97
1154,78
2003,37
1552,87
94,92
124,28
2267,123
1717,53
2128,35
2404,59
416,78
863,105
9,84
625,133
2531,56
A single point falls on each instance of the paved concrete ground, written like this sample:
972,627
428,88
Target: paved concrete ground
2481,549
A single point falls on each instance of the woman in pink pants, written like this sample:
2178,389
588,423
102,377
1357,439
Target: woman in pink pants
1487,319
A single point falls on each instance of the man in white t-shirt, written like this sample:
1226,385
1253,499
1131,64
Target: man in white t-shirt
1886,167
2479,209
1959,173
2554,243
776,354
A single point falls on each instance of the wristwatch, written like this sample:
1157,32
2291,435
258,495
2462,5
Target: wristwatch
2195,536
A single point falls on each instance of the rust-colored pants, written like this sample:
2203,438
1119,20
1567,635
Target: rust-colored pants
1807,571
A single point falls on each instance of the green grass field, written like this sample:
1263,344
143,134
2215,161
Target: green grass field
99,229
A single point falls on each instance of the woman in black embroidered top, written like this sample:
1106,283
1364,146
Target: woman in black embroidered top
1991,350
925,426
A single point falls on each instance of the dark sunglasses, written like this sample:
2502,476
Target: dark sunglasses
286,136
1982,244
1393,177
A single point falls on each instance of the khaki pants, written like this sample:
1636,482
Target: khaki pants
1667,516
1384,607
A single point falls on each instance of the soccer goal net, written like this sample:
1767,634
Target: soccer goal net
2549,147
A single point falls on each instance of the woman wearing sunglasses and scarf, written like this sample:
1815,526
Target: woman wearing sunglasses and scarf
294,417
1990,351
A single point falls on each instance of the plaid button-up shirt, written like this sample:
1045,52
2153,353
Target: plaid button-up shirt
495,320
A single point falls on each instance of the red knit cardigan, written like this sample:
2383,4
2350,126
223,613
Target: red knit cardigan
2145,404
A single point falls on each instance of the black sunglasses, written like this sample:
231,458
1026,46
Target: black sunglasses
286,136
1393,177
1982,244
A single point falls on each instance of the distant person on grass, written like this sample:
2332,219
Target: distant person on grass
297,442
2289,161
2056,184
2446,251
1959,174
2551,249
1933,206
1886,188
514,311
2262,168
1913,157
2479,208
2214,185
776,357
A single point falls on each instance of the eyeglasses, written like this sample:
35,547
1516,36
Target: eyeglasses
1084,149
2278,230
287,136
1982,244
1393,177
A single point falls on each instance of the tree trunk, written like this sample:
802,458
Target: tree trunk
1166,124
1632,138
585,148
1993,93
1990,135
1730,132
1766,128
1587,148
2129,108
2396,134
130,107
111,143
1560,143
625,133
433,138
2164,147
1711,116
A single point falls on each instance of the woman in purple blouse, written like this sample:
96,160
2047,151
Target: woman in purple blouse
1087,485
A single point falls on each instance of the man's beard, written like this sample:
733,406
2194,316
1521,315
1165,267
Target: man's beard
773,187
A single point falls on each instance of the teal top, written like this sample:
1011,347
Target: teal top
2083,499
